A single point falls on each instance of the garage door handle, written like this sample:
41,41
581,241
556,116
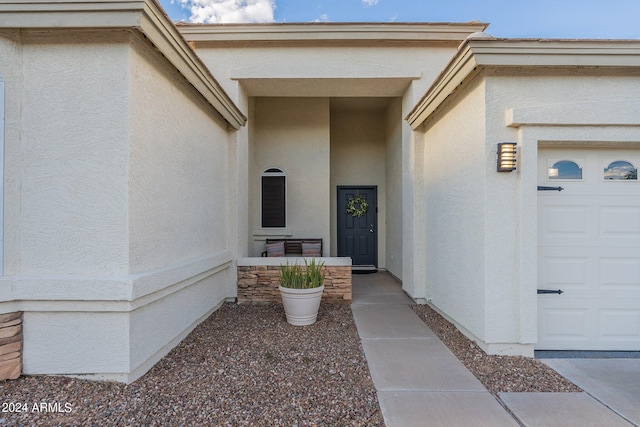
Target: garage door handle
550,291
543,188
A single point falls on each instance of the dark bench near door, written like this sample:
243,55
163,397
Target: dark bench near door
293,247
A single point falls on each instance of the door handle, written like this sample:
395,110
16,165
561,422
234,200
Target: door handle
371,228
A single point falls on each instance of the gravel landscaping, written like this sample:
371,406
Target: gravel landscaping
497,373
243,366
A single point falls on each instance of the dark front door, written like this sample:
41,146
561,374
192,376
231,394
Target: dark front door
357,231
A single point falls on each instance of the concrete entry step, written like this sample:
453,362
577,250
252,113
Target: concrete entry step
364,269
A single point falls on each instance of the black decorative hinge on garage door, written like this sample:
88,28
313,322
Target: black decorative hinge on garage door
543,188
550,291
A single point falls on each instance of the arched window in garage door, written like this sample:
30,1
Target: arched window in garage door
620,169
565,169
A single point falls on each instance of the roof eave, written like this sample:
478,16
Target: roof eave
476,54
144,16
459,68
329,32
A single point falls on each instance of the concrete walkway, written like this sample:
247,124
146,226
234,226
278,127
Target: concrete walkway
421,383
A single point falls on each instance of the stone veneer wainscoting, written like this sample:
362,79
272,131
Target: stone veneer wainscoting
258,282
10,345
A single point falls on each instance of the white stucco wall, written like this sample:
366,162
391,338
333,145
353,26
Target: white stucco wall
118,197
179,203
1,175
413,205
157,327
292,134
178,173
238,189
454,172
358,158
83,342
529,88
393,183
12,80
66,201
70,216
481,228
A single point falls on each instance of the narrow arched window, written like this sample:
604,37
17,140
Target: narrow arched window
620,170
274,198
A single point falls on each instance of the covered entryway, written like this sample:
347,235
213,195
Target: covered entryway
589,248
366,162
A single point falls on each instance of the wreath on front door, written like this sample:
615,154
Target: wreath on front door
357,206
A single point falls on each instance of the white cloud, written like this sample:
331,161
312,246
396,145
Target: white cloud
367,3
229,11
322,18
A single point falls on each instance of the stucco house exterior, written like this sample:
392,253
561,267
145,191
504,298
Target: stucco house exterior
140,160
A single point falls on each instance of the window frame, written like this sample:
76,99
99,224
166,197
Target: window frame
607,162
578,162
269,173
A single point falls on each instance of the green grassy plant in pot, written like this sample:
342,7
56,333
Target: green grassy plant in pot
301,290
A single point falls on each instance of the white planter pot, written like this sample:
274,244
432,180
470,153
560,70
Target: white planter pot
301,305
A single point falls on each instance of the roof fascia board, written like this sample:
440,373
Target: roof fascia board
460,67
323,32
551,53
476,54
41,14
164,35
144,16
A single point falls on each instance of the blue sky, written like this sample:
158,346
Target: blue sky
541,18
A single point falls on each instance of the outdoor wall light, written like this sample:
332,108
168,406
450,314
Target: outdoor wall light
506,156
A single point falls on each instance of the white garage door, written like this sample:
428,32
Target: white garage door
589,247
